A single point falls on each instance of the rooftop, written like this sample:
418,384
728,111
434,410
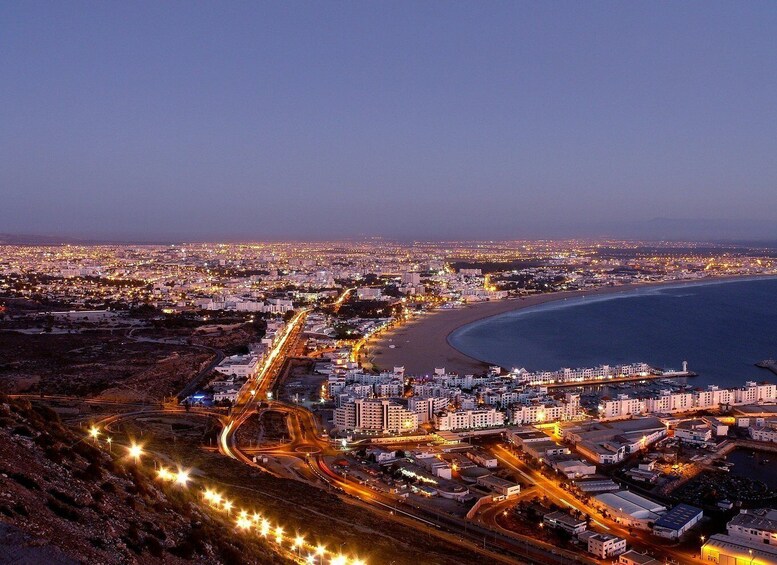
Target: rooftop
678,517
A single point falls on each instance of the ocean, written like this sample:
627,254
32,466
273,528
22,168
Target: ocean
721,328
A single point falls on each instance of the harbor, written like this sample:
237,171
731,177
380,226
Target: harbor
625,379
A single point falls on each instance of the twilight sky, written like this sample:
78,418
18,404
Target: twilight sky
267,120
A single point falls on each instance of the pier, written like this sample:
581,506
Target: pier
624,379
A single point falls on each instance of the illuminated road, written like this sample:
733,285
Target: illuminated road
256,388
561,497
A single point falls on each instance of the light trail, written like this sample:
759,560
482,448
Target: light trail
234,423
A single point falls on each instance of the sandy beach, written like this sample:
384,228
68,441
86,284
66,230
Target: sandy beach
422,344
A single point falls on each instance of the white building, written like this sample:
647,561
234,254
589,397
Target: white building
543,412
696,432
766,432
367,293
758,525
426,408
564,521
239,366
621,407
605,545
470,419
630,509
376,415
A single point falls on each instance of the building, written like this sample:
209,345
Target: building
764,431
604,453
574,469
470,419
546,411
759,525
677,521
724,549
375,415
564,521
629,508
635,558
426,408
604,545
697,432
610,442
500,486
239,366
367,293
544,450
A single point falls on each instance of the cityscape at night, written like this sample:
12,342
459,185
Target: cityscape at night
347,283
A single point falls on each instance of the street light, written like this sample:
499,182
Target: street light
298,543
94,432
182,477
135,451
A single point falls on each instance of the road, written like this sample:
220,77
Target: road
256,389
552,489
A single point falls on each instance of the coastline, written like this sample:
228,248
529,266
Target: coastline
423,344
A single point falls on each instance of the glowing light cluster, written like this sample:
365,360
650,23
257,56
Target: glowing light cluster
246,522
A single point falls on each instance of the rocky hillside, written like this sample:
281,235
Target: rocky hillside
62,500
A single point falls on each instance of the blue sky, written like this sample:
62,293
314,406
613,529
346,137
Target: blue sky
247,120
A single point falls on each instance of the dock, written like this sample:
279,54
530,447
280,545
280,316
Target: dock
624,379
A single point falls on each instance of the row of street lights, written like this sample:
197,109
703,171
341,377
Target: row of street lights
244,522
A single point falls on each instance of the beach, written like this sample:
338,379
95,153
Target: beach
421,345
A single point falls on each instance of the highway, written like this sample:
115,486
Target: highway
256,389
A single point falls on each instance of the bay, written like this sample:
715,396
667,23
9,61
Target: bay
721,328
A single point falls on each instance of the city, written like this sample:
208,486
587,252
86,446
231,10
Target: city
263,355
388,283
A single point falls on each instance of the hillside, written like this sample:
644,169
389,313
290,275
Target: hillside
64,501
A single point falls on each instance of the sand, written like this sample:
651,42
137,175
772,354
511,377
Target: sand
421,345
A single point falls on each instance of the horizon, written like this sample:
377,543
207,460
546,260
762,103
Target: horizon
33,240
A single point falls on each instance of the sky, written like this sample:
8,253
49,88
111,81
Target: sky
410,120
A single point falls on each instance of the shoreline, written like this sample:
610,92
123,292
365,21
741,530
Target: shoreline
424,344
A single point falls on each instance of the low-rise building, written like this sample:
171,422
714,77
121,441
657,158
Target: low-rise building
629,508
697,432
603,545
725,549
498,485
758,525
635,558
239,366
574,469
677,521
564,521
